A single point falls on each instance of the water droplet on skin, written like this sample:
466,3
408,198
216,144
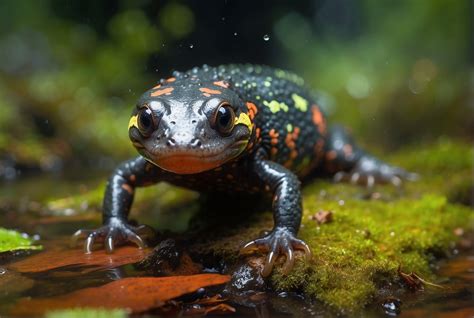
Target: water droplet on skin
266,37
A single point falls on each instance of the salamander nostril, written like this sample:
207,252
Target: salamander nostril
171,142
193,121
196,143
172,122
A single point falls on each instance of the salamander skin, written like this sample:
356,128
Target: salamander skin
234,128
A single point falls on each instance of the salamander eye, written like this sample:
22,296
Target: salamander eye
225,119
146,122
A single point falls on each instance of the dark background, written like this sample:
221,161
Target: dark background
398,72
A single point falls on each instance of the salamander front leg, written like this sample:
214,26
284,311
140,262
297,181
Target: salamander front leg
286,214
118,199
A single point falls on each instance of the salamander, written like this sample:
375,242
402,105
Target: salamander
246,129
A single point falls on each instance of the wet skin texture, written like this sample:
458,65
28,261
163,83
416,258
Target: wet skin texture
234,128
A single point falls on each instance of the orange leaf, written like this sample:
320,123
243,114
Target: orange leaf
62,257
135,294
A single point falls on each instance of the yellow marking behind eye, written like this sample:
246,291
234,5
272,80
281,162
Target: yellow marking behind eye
133,122
244,119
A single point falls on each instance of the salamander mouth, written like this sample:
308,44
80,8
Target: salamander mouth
184,162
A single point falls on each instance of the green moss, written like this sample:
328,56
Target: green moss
12,241
87,313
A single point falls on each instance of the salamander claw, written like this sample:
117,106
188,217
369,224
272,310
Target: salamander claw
133,237
279,241
89,243
109,244
78,235
290,261
269,263
115,233
301,245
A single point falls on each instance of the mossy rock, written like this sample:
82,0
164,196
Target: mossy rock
371,234
13,241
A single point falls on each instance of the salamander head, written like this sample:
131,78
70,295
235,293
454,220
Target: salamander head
187,127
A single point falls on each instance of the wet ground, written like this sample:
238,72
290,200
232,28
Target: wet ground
55,271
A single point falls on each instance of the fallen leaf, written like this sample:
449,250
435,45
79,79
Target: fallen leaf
207,305
414,281
12,241
134,294
63,257
216,299
219,309
322,217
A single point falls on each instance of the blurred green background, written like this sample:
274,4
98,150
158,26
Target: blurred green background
398,72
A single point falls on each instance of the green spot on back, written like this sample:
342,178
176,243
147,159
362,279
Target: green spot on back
300,102
289,128
275,106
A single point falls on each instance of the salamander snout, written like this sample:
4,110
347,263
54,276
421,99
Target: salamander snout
183,139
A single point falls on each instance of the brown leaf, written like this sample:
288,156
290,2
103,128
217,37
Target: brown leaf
216,299
415,282
322,217
61,257
135,294
207,305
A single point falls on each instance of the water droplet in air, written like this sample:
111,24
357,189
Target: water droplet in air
266,37
235,33
191,46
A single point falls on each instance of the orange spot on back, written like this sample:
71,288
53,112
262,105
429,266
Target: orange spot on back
164,91
289,141
318,119
157,86
274,136
171,79
223,84
252,108
210,91
273,133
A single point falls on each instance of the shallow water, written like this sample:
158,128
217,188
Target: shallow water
456,275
